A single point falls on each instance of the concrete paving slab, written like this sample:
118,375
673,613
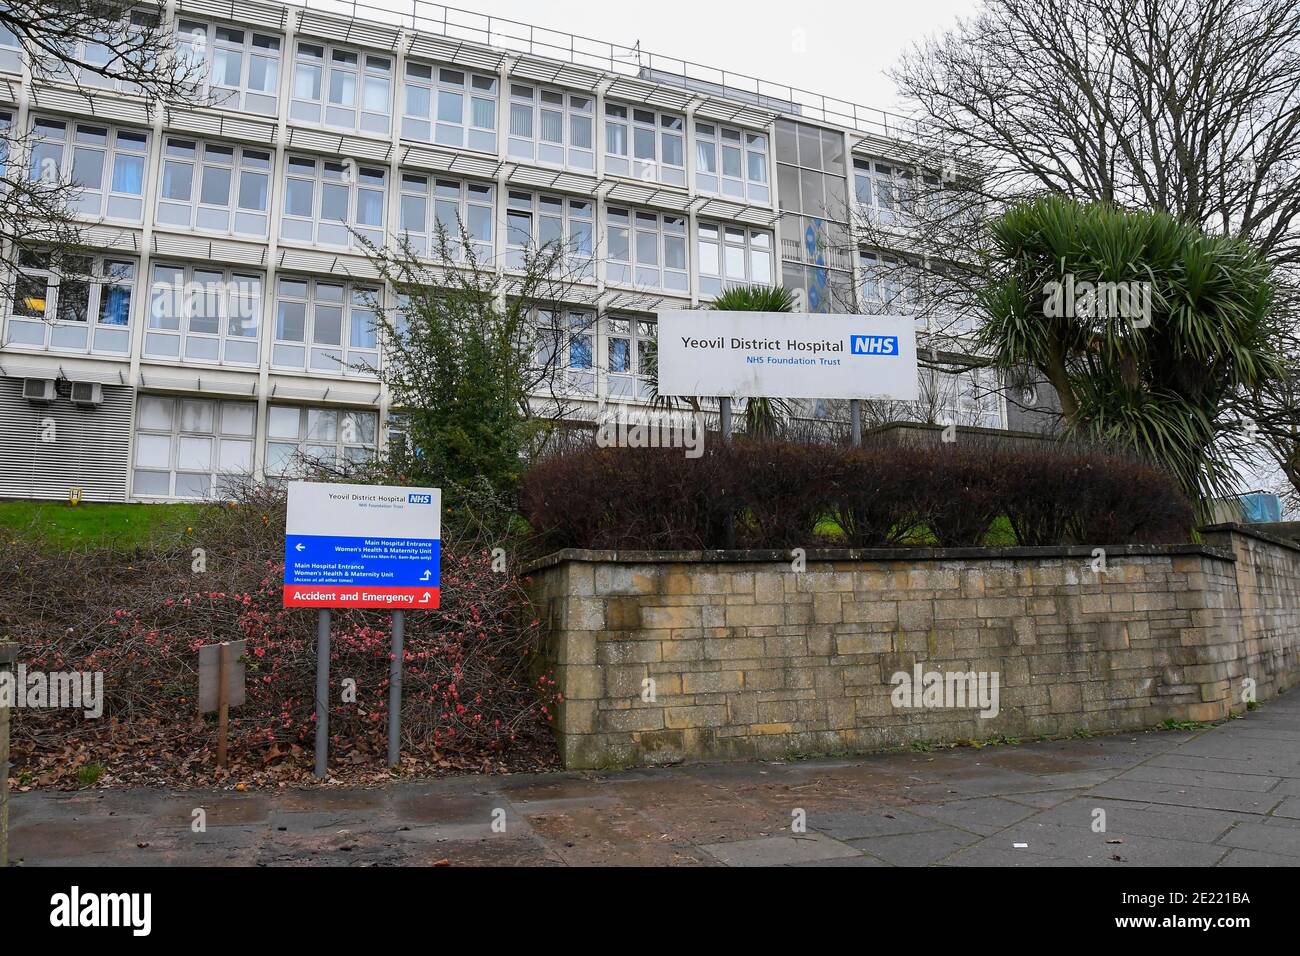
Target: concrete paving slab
780,850
1226,796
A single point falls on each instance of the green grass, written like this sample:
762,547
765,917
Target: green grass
63,526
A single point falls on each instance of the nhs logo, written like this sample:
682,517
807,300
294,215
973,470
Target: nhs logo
873,344
419,499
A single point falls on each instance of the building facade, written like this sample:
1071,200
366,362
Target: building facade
221,321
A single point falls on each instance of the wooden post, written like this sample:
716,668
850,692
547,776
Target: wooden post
8,651
223,703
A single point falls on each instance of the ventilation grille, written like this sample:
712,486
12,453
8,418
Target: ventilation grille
89,450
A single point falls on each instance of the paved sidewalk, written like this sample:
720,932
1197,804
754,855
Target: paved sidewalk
1227,796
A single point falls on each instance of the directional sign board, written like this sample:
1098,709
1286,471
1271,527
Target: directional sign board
361,546
787,355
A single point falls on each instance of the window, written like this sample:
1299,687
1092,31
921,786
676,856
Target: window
647,249
83,305
656,140
95,55
970,397
11,52
429,201
325,435
326,326
731,162
564,344
629,343
214,186
889,285
342,88
550,223
325,199
191,448
106,166
242,66
450,107
879,189
552,127
733,255
203,314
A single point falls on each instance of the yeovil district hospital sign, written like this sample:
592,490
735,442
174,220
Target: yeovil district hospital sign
361,546
787,355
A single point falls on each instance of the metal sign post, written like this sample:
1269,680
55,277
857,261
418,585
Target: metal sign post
395,691
855,419
370,546
322,692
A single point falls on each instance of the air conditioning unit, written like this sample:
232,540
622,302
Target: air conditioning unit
87,393
39,390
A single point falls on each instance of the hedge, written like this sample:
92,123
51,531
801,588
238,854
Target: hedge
783,495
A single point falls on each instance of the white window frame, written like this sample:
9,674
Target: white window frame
345,439
662,127
369,71
440,129
573,333
639,335
717,141
104,202
753,245
222,432
880,289
355,303
575,110
426,199
669,232
360,180
254,44
553,218
47,327
243,165
181,294
89,51
880,190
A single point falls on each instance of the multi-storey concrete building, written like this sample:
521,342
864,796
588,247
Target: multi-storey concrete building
229,309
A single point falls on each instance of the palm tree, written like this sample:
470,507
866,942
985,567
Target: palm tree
762,415
1159,380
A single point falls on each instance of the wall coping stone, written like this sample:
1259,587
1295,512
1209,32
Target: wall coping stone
1251,531
769,555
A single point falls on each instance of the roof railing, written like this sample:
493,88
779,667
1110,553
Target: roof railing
515,36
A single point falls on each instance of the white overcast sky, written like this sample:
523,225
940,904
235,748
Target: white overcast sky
847,45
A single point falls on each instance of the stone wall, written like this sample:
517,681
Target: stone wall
751,657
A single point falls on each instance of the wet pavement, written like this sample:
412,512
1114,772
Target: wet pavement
1222,796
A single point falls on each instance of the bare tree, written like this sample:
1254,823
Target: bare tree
96,48
1189,108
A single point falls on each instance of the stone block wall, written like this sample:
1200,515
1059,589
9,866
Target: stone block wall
749,657
1267,572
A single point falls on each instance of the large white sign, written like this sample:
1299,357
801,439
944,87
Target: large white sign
787,355
362,546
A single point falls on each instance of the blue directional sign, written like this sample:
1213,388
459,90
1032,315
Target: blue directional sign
362,546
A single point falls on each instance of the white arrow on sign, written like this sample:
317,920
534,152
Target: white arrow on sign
425,599
300,547
427,574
